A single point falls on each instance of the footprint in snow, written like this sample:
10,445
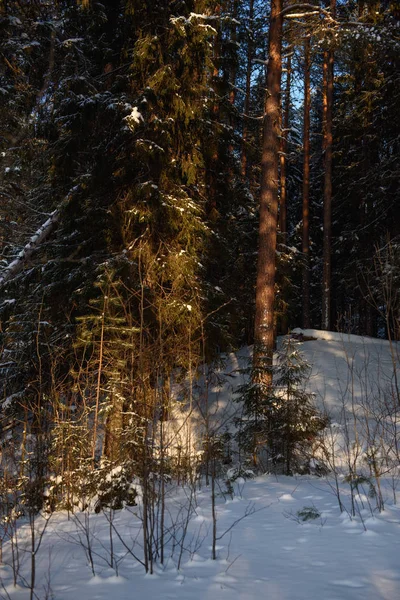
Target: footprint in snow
351,531
373,521
216,587
179,580
370,533
351,583
224,578
313,497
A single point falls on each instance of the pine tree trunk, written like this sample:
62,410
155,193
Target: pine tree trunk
233,69
212,169
250,49
328,144
283,160
306,187
232,86
265,289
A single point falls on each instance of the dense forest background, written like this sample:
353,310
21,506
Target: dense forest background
132,161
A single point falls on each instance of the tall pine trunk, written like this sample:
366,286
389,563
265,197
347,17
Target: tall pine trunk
212,167
265,289
328,145
250,50
234,66
232,84
284,144
306,187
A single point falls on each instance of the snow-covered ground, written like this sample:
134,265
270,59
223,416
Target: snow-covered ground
348,368
269,554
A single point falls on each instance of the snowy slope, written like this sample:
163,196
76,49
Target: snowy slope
270,553
348,367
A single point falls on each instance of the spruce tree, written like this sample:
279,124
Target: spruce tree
124,130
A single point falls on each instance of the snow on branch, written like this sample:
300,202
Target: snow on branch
41,234
303,14
310,9
34,243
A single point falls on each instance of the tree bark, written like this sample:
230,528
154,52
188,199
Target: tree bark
232,84
284,143
265,289
306,187
328,146
233,69
212,168
250,48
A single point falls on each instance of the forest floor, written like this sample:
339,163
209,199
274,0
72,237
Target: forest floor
264,548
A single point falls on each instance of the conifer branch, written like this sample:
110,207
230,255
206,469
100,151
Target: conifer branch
44,231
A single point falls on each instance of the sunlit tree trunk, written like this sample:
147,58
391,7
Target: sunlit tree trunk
265,289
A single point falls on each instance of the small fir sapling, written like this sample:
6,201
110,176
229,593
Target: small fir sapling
281,421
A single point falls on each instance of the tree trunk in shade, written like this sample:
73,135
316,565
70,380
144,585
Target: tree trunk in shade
328,144
284,140
250,48
306,187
